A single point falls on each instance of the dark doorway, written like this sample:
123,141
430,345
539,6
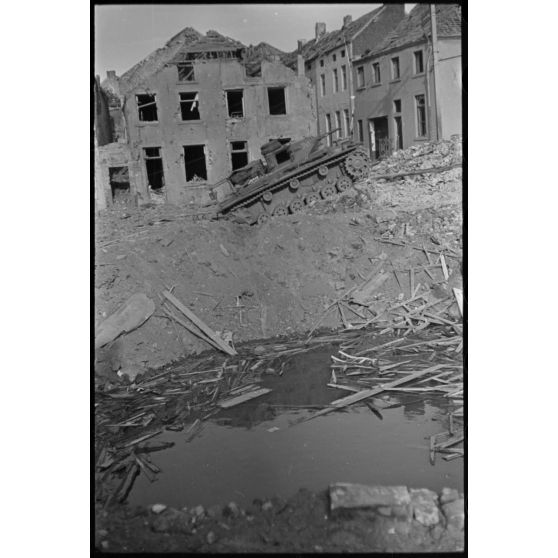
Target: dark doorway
154,167
194,163
398,132
379,137
120,184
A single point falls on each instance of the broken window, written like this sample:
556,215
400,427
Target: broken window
395,73
344,77
343,53
189,106
347,122
335,81
322,84
235,103
119,184
186,72
397,105
321,63
147,108
194,163
154,167
360,131
328,127
239,154
421,116
334,57
276,98
419,63
376,72
360,76
338,124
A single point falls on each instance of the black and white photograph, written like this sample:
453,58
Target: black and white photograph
279,278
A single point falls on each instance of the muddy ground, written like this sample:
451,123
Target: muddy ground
263,281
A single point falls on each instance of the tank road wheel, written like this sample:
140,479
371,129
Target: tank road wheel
328,191
311,198
296,206
267,197
280,210
343,183
357,165
294,184
323,170
263,218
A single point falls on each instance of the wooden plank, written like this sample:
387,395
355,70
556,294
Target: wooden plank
199,323
232,402
444,267
365,394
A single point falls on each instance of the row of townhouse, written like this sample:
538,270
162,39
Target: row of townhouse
202,106
396,88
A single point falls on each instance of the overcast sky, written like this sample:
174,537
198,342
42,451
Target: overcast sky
124,35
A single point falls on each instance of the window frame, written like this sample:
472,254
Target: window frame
418,107
415,70
322,85
182,101
236,90
192,73
284,88
138,107
204,148
376,73
335,80
359,75
393,66
395,111
344,77
233,150
347,119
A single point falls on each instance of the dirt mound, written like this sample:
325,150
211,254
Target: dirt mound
276,279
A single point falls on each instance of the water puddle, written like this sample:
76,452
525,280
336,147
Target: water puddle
253,451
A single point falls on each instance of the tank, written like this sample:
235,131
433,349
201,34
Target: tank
294,175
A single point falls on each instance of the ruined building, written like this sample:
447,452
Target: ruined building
192,112
407,91
328,63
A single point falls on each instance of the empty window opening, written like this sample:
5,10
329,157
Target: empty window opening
321,63
154,167
360,76
343,53
334,57
235,103
344,77
421,116
376,72
347,122
189,106
194,163
186,72
147,108
360,131
239,154
276,98
335,81
395,73
397,105
419,63
322,84
338,124
119,184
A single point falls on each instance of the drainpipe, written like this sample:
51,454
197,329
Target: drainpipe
435,63
349,50
427,87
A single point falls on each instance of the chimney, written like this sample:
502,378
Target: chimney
299,65
320,30
347,20
111,74
301,43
